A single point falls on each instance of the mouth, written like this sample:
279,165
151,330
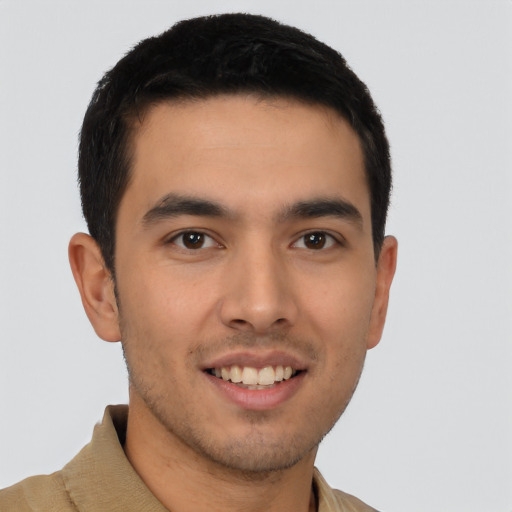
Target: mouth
252,378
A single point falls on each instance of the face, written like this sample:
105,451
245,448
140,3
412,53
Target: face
247,287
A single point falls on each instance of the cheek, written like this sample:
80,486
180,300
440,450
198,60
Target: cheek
163,310
338,315
338,306
158,291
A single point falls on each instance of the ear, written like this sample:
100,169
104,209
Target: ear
386,266
96,286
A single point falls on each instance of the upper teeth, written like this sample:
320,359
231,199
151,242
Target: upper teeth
252,376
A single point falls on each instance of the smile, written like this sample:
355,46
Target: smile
252,378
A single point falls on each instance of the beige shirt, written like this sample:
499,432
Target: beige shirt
101,479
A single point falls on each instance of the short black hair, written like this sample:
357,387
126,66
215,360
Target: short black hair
208,56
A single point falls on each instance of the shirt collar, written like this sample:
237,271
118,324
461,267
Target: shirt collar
100,477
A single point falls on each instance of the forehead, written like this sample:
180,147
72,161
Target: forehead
244,151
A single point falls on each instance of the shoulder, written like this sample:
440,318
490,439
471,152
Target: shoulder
349,503
333,500
38,493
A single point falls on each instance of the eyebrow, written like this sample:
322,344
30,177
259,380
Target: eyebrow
174,205
322,207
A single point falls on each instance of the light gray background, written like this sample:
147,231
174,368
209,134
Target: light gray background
430,426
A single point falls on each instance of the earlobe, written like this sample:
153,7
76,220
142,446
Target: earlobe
385,271
96,286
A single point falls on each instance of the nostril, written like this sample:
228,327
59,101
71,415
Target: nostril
238,321
240,324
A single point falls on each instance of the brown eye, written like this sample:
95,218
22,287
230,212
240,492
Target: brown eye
193,240
315,241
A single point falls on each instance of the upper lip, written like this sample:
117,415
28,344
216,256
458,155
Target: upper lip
256,359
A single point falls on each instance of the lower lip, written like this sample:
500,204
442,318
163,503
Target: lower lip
258,399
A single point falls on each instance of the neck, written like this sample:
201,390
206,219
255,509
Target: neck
182,479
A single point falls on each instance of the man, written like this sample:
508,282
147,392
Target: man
235,179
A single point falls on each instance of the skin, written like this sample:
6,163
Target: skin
253,288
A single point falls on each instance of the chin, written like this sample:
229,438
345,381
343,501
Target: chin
258,447
256,454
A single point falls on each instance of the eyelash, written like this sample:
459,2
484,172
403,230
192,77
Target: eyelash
326,241
182,234
329,239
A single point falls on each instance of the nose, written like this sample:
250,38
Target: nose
258,296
